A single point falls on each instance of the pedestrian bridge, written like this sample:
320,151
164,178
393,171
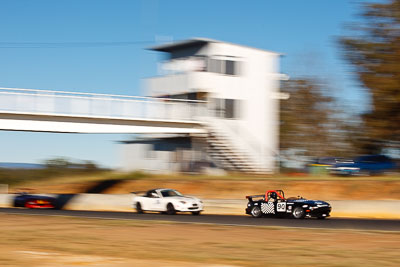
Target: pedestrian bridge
74,112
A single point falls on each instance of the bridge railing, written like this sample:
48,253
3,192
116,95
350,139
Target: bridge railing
47,102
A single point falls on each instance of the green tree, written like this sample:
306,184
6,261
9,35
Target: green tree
62,164
304,120
57,163
373,49
313,124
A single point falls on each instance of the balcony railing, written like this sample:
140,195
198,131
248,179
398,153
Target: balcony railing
75,104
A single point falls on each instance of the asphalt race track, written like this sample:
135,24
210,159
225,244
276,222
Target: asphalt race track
330,223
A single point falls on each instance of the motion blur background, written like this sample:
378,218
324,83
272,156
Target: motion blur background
100,99
342,58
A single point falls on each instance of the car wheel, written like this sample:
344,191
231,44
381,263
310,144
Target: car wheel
171,209
299,213
195,212
256,212
139,208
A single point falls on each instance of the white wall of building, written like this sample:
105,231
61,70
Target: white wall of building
141,157
255,86
258,79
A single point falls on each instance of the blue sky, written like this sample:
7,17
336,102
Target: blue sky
305,31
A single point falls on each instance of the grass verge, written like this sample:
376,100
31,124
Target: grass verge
46,241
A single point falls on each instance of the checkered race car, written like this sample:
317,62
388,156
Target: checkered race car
274,204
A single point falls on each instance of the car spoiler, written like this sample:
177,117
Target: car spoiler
250,198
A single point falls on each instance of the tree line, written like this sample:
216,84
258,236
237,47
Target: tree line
315,124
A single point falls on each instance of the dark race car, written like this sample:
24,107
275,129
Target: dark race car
34,201
365,165
274,204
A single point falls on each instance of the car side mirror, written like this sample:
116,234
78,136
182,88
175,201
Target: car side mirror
154,195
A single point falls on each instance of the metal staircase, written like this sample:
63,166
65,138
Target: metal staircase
226,154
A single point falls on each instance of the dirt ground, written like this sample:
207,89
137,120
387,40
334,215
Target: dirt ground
334,189
63,241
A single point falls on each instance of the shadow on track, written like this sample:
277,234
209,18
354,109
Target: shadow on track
61,200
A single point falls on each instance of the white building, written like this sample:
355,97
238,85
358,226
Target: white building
240,87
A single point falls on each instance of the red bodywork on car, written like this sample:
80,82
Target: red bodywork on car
39,204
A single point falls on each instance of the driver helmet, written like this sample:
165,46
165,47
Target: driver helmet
273,195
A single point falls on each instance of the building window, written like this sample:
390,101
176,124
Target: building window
219,108
229,108
226,108
215,66
228,67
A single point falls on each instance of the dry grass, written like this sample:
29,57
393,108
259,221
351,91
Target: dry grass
238,189
233,186
53,241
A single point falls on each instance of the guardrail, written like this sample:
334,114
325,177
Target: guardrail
47,102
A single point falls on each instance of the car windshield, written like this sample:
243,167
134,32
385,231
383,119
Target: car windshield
171,193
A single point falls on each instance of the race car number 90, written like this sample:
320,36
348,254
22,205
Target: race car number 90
281,207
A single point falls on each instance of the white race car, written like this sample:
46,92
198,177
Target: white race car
167,201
